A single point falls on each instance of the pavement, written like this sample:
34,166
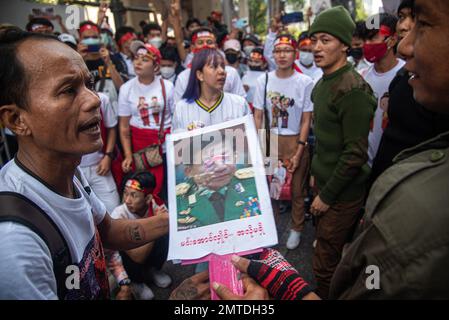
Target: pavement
300,258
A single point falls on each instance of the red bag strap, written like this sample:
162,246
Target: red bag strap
161,129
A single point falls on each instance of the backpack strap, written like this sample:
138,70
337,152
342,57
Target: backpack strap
17,208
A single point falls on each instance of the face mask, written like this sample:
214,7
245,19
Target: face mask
91,41
156,42
232,57
375,52
306,58
356,53
248,50
167,72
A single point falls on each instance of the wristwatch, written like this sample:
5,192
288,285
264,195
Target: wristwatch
303,143
125,282
109,154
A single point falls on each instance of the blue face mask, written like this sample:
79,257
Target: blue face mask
91,41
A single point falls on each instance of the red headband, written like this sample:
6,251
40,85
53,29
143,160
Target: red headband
127,36
305,42
135,185
285,40
202,34
88,27
385,31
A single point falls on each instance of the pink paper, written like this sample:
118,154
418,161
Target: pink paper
222,271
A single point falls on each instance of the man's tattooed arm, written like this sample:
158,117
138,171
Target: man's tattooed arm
125,234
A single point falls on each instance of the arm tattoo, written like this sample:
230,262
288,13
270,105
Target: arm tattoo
136,233
186,291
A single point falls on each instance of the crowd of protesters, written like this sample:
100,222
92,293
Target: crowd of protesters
360,117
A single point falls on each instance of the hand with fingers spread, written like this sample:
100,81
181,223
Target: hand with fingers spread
275,274
194,288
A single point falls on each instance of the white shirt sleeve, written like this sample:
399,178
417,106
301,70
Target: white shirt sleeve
124,108
170,91
237,85
26,265
177,124
268,50
109,115
259,99
308,104
181,85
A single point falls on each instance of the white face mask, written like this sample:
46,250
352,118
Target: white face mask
167,72
306,58
248,50
156,42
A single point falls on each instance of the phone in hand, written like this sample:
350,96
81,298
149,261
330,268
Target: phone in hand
93,48
293,17
240,23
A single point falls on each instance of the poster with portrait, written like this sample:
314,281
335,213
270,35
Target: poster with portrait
219,200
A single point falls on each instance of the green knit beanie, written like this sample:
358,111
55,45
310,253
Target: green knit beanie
337,22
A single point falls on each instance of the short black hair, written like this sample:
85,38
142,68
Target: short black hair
169,53
42,21
192,21
360,29
122,31
13,78
410,4
145,178
385,19
150,26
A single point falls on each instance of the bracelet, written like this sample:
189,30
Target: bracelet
302,142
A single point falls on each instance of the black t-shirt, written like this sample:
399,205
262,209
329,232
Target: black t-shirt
409,124
98,69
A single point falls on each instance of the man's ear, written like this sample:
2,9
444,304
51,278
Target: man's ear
12,117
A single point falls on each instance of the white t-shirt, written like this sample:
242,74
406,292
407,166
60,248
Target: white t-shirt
250,80
291,97
313,72
233,83
379,82
109,121
191,115
26,265
122,212
144,103
129,65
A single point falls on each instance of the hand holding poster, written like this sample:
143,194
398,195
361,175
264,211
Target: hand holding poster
218,196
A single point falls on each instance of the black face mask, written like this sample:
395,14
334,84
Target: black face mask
232,57
256,68
356,53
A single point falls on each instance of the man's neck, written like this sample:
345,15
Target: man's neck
209,96
285,73
386,64
336,66
55,170
146,80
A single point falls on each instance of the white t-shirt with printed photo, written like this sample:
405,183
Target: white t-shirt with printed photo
144,103
109,121
26,264
233,83
379,82
286,100
192,115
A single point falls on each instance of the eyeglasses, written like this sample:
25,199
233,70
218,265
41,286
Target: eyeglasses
285,51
